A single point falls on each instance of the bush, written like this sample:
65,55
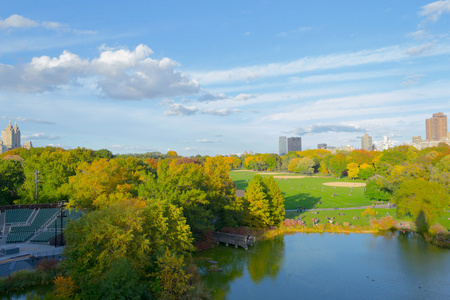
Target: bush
369,212
385,223
437,229
65,287
292,223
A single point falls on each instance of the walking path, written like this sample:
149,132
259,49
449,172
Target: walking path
343,208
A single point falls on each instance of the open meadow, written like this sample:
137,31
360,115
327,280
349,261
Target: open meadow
307,192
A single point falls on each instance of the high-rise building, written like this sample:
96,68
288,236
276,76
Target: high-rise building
322,146
366,142
385,144
282,145
294,144
11,137
417,139
436,127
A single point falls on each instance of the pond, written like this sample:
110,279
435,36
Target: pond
330,266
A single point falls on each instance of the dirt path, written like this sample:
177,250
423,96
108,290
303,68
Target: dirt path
345,184
342,208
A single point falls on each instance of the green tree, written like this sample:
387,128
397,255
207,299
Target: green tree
171,278
138,230
377,188
306,165
424,200
121,281
276,200
11,179
184,184
338,164
256,204
366,171
104,153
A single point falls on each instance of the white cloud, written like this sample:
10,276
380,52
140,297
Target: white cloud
221,112
17,21
180,110
420,50
306,64
321,128
131,148
412,79
206,141
20,22
318,63
21,119
121,74
211,97
244,97
419,34
41,136
434,10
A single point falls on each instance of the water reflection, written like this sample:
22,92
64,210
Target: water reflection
262,261
355,266
266,259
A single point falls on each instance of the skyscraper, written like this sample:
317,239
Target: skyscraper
294,144
282,146
11,137
366,142
436,127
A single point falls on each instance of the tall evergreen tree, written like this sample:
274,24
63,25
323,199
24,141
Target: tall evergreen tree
256,205
276,200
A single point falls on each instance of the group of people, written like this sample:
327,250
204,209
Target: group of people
315,221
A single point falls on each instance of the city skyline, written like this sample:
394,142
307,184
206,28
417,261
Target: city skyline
219,78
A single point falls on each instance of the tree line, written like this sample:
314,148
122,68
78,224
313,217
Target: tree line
142,215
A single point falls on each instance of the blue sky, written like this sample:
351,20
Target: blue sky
221,77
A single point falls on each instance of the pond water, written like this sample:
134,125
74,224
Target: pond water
330,266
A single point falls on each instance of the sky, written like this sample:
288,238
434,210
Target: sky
221,77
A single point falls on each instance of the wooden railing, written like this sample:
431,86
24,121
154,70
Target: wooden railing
234,239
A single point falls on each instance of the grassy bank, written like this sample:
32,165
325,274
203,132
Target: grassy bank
42,275
308,191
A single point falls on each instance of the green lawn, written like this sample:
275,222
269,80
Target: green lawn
348,216
307,192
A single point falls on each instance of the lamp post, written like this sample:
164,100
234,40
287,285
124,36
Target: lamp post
61,215
36,181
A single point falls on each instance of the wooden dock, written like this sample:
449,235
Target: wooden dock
234,239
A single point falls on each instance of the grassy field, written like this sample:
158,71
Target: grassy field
308,191
347,217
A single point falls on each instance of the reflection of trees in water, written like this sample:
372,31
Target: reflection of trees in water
418,256
231,261
266,259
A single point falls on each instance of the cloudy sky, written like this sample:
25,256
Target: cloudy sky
221,77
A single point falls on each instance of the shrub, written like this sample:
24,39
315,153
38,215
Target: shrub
369,212
437,229
65,287
292,223
47,265
385,223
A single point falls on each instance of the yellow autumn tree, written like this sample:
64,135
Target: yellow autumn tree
353,170
95,183
65,287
